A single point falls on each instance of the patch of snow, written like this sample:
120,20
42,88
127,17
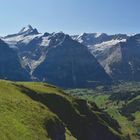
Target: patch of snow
105,45
98,35
12,41
102,53
45,41
132,34
31,63
60,42
12,46
131,67
35,63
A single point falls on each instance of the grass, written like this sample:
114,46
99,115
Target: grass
38,111
21,117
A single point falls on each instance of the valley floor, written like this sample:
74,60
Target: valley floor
121,102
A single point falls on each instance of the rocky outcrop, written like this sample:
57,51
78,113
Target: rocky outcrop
10,67
128,68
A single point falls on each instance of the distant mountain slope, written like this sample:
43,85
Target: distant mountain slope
118,54
91,39
128,68
103,47
57,59
41,111
69,64
63,60
10,67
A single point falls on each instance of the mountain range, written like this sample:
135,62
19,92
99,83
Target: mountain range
118,54
84,60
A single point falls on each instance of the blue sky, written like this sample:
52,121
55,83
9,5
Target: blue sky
71,16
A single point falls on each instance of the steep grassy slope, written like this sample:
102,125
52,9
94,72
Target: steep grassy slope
22,118
38,111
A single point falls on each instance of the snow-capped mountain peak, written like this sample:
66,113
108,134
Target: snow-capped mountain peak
24,36
24,29
98,34
94,35
28,30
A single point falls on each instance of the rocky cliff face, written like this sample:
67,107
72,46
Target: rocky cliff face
70,64
118,54
10,67
128,68
104,47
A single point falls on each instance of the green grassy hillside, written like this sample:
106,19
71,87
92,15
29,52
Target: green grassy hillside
38,111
